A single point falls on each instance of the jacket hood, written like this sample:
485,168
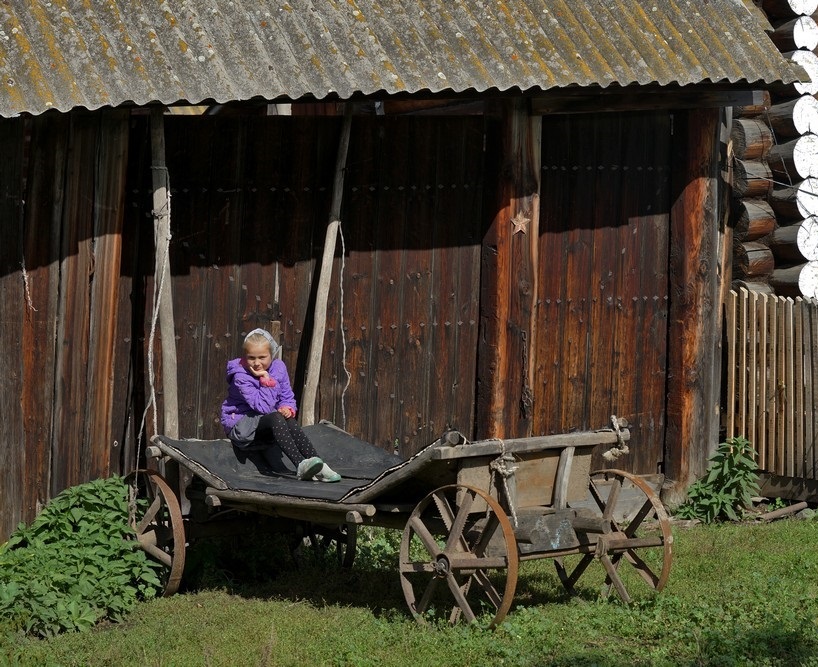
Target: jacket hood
233,367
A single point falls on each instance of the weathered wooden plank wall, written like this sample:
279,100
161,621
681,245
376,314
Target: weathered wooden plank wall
602,337
12,307
250,201
245,199
61,227
42,230
411,278
104,389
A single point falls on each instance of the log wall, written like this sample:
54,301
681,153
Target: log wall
775,168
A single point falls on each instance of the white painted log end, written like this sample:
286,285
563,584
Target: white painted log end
805,155
805,33
806,197
803,7
809,62
808,280
807,239
805,115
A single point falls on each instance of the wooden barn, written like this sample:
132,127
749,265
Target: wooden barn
771,320
531,202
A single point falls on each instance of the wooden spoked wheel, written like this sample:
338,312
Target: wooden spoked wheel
343,540
635,531
458,557
158,524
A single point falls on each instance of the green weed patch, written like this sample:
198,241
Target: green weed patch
74,565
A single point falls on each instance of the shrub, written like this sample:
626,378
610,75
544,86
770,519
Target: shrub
727,487
74,565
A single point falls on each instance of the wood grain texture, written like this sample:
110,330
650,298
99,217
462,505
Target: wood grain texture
71,465
504,399
602,330
693,295
13,478
111,170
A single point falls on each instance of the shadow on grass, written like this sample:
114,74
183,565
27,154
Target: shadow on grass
767,645
267,566
764,645
272,566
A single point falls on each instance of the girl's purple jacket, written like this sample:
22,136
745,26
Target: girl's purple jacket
246,396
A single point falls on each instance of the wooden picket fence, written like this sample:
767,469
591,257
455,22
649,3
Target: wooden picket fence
772,380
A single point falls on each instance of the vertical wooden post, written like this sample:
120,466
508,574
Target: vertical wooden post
161,229
330,241
692,410
506,355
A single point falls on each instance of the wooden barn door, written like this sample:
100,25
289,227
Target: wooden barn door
602,331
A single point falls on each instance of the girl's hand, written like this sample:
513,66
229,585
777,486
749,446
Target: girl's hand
287,411
255,372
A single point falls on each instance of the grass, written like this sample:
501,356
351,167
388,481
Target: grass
737,595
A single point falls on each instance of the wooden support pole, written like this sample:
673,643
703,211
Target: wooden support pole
506,353
330,241
161,229
692,405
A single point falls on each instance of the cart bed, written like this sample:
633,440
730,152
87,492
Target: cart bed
372,475
223,467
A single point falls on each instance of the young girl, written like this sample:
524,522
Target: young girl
260,407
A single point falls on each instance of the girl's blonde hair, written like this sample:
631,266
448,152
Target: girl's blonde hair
260,336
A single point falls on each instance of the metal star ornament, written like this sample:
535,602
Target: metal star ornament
520,222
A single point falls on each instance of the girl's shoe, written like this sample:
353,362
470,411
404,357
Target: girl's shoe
309,467
327,474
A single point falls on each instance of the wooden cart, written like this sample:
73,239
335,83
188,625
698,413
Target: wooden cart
469,511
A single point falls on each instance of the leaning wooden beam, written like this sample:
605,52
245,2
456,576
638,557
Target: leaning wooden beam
320,316
161,228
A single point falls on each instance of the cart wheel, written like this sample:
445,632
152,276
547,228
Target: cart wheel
343,538
160,531
458,543
635,520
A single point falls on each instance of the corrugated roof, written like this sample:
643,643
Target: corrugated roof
66,53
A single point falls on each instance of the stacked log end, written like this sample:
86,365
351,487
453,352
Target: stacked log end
775,168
